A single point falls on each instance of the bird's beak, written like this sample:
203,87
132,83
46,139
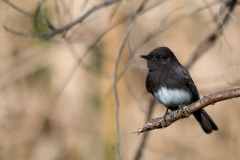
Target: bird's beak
144,56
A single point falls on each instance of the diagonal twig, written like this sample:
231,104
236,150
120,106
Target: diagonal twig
119,54
145,136
67,26
213,37
17,8
211,99
80,19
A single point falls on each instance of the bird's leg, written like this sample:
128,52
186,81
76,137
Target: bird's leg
166,113
181,106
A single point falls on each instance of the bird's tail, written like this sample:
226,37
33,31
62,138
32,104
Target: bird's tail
205,121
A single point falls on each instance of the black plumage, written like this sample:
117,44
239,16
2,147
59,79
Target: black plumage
171,84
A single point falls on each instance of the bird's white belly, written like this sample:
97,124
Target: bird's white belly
172,97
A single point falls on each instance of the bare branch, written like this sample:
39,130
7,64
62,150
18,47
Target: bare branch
17,8
119,54
80,19
26,35
67,26
139,152
186,111
62,87
212,38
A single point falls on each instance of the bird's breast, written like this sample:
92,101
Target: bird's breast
173,97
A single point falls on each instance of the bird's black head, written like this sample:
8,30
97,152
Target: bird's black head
159,57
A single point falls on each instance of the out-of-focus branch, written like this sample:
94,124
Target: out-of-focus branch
186,111
213,37
119,55
139,152
115,77
80,19
67,26
17,8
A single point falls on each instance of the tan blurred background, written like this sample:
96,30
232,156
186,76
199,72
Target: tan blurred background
53,109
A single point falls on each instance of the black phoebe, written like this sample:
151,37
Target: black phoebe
171,84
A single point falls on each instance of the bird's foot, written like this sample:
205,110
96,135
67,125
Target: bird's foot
181,106
164,117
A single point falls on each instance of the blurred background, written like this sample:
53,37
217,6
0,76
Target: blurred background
56,91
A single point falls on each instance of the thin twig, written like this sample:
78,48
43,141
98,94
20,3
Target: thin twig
120,51
114,12
73,71
80,19
139,152
62,87
67,26
212,38
79,61
17,8
163,27
211,99
118,58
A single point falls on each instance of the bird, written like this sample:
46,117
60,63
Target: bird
171,84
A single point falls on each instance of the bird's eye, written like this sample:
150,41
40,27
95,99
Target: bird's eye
159,57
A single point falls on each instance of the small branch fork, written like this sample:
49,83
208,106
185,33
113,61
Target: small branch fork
186,111
63,28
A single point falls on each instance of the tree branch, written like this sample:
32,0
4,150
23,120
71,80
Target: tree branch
115,77
139,152
17,8
80,19
186,111
65,27
213,37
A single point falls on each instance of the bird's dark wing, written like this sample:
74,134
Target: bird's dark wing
149,83
188,82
